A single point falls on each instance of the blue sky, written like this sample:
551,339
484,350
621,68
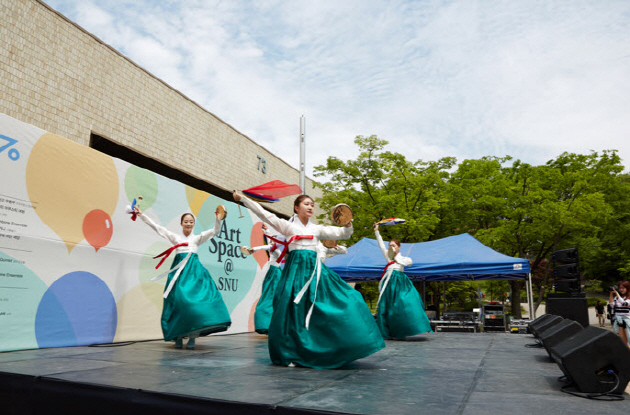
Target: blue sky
529,79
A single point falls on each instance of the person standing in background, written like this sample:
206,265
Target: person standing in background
599,312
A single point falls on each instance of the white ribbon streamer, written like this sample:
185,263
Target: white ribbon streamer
179,267
384,282
317,271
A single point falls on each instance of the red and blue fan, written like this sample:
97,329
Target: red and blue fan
272,191
391,221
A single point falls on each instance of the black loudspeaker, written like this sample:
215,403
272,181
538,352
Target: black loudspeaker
566,256
567,286
558,332
536,326
567,305
539,320
566,266
588,358
566,271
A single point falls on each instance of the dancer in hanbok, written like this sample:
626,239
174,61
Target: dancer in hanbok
400,311
324,252
318,320
264,308
193,305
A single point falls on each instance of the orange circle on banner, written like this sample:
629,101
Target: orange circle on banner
97,228
256,239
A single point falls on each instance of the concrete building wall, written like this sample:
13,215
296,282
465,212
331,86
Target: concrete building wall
58,77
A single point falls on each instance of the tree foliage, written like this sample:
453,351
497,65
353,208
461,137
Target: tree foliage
526,211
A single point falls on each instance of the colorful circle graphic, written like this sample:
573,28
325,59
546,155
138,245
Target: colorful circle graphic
97,228
66,181
77,310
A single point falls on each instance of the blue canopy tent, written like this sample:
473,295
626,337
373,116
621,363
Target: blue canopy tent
455,258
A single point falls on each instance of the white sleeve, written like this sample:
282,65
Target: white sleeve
159,229
339,250
335,232
270,232
403,260
280,225
381,245
262,248
210,233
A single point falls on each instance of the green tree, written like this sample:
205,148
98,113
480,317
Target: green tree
520,210
530,212
379,184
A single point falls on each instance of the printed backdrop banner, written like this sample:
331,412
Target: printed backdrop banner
76,270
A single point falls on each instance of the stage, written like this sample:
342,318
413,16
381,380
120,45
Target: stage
438,373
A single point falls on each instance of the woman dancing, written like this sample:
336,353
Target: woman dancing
193,305
324,252
318,320
264,308
400,312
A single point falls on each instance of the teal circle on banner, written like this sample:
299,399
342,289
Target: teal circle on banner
232,272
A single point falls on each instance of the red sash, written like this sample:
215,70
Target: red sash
168,252
286,243
273,248
385,269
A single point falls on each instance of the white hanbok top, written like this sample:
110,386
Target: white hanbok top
290,229
274,254
193,240
324,252
193,246
400,262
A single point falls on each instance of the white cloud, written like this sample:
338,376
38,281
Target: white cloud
464,79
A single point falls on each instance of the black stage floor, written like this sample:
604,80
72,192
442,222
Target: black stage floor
439,373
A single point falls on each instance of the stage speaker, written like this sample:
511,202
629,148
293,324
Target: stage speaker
539,320
566,266
557,333
566,256
567,286
567,305
566,271
537,327
590,356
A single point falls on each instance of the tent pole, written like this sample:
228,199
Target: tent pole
530,297
424,293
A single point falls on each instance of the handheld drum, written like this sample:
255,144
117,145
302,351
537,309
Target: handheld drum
329,243
246,250
341,214
221,212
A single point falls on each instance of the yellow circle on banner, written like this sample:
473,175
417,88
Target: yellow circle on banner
66,181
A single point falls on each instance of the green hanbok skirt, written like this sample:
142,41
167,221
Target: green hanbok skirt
194,306
341,329
400,312
264,308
